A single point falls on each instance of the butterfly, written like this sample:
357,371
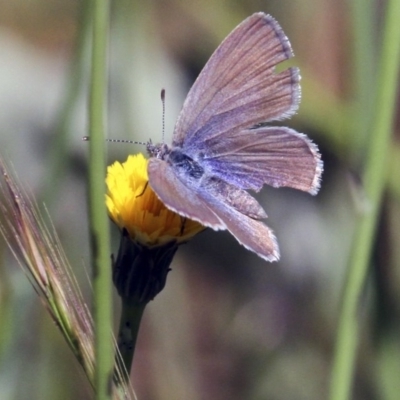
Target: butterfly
221,146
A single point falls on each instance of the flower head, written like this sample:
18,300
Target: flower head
133,206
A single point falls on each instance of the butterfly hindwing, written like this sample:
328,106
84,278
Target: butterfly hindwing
198,203
276,156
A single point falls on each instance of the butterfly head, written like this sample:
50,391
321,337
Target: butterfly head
159,150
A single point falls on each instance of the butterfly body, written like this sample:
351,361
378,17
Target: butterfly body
221,145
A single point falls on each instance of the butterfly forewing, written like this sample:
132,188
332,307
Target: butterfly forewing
238,87
178,196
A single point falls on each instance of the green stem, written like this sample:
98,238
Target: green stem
58,151
99,234
131,315
374,178
364,70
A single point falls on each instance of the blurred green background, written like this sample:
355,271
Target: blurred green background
228,325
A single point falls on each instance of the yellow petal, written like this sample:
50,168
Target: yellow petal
132,205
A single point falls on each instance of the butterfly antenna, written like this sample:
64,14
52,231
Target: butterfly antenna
125,141
87,138
163,113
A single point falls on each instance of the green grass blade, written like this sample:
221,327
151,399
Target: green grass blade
374,180
100,244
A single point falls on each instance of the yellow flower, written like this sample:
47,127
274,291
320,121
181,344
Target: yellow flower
132,205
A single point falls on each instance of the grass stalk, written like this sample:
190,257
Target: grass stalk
374,180
364,62
59,149
99,234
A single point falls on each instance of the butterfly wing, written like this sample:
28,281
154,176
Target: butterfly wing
196,203
178,196
238,87
254,235
277,156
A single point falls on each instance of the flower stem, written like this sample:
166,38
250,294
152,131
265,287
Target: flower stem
374,178
131,316
139,274
99,235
